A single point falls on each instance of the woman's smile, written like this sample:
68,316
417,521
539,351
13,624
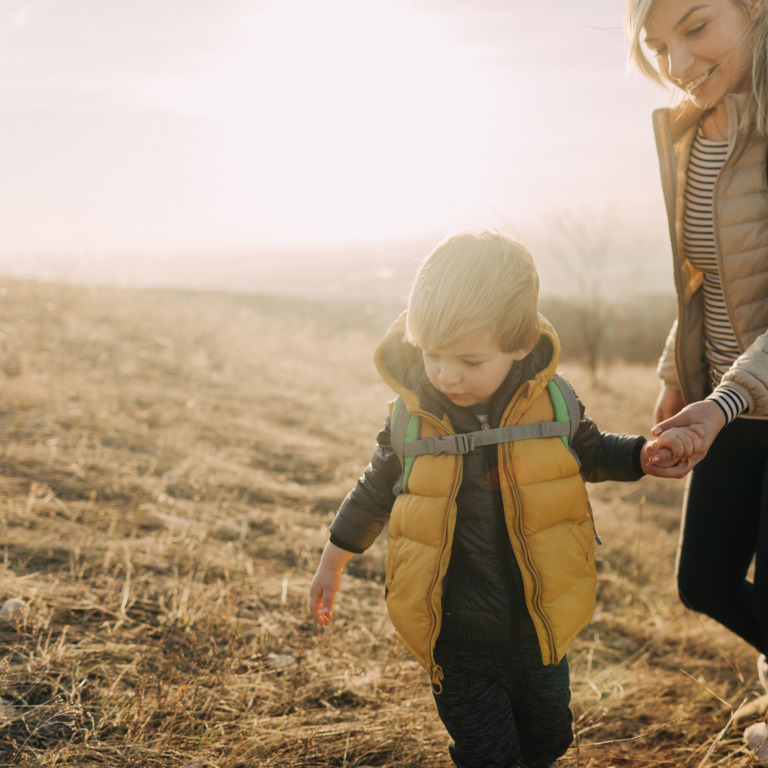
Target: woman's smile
692,86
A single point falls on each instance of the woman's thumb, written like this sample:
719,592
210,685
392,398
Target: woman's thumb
663,426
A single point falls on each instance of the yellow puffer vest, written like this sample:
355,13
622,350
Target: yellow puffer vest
548,519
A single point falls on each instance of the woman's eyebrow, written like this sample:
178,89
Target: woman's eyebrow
680,22
690,11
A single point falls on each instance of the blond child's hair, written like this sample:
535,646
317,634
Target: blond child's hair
755,115
470,282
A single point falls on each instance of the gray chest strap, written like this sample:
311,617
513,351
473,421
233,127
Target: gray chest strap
406,444
468,441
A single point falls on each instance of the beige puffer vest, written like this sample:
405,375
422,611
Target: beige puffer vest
740,214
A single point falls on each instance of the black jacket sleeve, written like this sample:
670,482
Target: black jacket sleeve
606,455
366,509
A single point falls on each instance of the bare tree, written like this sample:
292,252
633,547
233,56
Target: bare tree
581,248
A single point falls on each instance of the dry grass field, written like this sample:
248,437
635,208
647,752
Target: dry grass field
169,464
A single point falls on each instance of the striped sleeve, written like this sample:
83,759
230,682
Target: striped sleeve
730,400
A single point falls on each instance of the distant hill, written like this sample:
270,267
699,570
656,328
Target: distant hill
379,273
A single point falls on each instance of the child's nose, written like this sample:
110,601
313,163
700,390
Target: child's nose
448,375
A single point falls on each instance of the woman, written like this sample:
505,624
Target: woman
714,369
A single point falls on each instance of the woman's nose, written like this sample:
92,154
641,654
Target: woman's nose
679,61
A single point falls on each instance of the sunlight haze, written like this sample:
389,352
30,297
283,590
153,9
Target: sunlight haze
142,138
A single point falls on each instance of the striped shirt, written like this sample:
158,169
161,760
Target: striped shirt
720,344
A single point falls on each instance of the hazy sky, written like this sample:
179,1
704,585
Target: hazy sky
175,125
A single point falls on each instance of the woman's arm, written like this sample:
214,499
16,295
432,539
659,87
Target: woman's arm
749,375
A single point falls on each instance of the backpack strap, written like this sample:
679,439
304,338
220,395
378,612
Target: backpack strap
465,442
407,445
565,404
404,431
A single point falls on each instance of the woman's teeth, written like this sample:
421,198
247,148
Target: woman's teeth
694,84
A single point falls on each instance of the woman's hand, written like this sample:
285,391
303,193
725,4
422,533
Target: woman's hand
676,449
703,419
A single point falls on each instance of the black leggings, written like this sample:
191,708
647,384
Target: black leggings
725,524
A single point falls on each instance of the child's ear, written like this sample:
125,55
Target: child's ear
523,352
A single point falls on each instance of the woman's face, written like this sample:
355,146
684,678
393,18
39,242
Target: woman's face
704,47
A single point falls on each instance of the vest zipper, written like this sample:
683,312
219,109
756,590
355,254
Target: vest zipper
436,669
518,526
529,565
594,526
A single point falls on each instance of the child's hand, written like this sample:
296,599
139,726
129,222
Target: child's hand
324,586
674,445
658,455
689,434
322,594
674,452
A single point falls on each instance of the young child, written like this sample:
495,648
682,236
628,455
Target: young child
490,566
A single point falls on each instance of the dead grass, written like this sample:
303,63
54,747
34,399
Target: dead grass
168,469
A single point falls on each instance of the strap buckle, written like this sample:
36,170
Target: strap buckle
459,443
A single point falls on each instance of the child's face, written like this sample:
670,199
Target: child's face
469,370
704,48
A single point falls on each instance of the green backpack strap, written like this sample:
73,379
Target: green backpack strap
405,429
565,404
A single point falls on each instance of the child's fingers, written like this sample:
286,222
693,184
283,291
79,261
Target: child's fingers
652,447
655,448
697,435
682,443
321,603
691,440
662,456
317,600
314,606
327,607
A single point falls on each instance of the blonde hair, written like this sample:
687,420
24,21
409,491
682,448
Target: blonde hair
754,118
637,15
470,282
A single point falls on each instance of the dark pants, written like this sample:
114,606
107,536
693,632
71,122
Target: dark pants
501,706
725,524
